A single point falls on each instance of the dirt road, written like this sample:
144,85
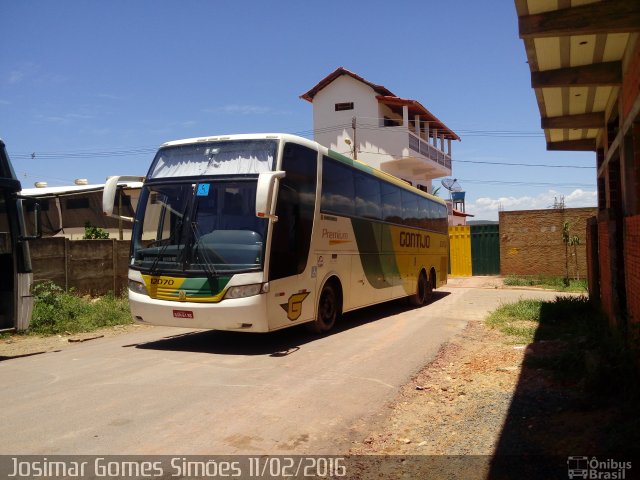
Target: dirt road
160,390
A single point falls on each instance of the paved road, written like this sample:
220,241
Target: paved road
176,391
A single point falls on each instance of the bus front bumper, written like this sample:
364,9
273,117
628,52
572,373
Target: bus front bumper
247,314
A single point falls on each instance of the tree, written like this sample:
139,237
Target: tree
574,241
569,241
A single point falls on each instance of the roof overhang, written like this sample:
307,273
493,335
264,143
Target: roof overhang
458,213
72,190
576,50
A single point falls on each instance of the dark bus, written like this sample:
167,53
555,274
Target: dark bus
16,277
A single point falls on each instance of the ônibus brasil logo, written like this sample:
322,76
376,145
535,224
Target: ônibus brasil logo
592,468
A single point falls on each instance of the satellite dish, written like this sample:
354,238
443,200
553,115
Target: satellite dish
451,184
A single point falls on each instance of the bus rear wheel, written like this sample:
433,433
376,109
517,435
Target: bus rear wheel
328,310
423,291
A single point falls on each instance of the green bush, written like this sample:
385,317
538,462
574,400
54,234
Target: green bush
94,233
56,311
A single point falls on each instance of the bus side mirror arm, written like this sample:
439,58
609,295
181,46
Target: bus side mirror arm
109,194
265,205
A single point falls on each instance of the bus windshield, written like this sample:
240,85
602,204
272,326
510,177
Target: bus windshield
214,158
208,226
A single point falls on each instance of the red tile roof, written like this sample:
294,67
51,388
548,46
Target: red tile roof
379,89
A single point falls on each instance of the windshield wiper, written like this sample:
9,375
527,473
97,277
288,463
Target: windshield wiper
174,235
197,251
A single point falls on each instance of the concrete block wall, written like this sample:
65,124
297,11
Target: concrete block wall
531,241
93,267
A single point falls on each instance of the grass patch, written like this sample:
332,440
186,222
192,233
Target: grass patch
519,320
547,282
56,311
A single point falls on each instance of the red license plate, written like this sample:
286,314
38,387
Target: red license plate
183,314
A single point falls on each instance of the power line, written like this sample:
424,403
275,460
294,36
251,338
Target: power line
545,165
468,132
531,184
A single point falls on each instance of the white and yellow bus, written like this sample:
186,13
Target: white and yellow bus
261,232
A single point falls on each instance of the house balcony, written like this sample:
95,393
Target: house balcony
411,157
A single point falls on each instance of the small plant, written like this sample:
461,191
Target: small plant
94,233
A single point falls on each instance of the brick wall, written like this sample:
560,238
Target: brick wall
632,272
531,241
593,267
605,264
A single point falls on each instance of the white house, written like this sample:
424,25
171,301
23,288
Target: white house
368,122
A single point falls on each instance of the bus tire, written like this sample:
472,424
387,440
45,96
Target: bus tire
431,285
423,291
328,309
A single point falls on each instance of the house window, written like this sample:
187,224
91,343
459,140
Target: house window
76,203
344,106
390,122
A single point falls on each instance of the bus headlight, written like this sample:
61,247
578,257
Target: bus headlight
244,291
137,287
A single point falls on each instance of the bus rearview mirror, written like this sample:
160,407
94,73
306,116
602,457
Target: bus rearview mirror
109,194
265,193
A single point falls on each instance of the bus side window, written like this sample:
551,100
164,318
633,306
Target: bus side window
295,206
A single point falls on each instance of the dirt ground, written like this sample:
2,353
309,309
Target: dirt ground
14,346
488,408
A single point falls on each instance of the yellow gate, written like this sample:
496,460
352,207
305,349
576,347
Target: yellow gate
460,250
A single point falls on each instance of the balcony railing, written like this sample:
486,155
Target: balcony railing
427,150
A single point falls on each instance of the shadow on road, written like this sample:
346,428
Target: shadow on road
276,344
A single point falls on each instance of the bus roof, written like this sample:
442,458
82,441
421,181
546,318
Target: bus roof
311,144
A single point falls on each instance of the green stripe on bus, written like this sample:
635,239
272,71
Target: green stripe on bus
204,287
377,253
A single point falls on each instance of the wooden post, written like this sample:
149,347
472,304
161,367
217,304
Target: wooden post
114,254
66,264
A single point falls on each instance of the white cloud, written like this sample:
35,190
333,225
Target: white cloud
234,109
16,76
63,119
487,208
31,72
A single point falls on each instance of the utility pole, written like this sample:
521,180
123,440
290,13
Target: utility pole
355,143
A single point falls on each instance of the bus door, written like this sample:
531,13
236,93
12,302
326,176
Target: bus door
292,280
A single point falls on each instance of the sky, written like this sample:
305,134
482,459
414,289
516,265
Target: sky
91,88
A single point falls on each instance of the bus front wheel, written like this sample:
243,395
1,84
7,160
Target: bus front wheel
328,310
